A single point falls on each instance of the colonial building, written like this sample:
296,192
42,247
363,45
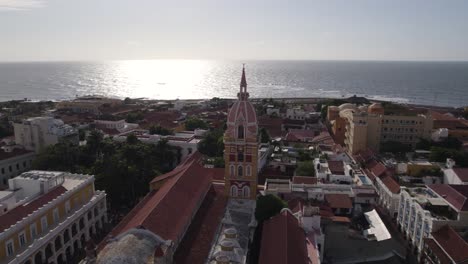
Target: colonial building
241,147
359,128
13,161
37,133
47,217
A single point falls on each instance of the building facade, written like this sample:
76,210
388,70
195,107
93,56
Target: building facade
13,161
48,217
241,147
37,133
422,211
359,128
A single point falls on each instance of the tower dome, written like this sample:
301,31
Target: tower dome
242,113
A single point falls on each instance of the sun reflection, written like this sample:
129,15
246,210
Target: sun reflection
160,78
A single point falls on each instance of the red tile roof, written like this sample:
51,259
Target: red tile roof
304,180
14,153
18,213
437,251
339,201
300,135
272,125
196,244
169,210
462,173
295,204
391,184
456,195
336,167
284,241
455,247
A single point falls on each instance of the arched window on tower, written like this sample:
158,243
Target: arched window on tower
240,132
246,191
234,191
231,170
240,171
248,170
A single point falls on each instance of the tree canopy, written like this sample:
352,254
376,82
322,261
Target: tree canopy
212,143
159,130
267,206
122,169
193,123
305,168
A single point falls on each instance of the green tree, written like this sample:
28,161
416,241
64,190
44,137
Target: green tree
132,139
305,168
193,123
159,130
267,206
212,143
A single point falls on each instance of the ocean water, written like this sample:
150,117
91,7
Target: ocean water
429,83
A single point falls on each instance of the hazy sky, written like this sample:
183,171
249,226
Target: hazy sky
234,29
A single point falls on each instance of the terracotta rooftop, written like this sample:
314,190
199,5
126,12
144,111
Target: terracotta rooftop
391,184
284,241
305,180
455,247
196,245
18,213
336,167
456,195
339,201
462,173
437,251
300,135
169,210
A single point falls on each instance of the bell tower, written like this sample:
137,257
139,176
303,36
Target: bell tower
241,147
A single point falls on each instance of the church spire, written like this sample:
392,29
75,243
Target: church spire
243,85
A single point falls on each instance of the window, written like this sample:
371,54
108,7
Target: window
33,230
231,170
24,164
240,156
234,191
22,239
240,171
56,215
17,166
3,170
10,168
10,248
67,207
240,132
248,171
246,191
44,223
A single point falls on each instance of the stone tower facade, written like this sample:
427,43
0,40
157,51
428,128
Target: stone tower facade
241,147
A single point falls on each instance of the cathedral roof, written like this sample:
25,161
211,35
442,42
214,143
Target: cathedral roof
242,111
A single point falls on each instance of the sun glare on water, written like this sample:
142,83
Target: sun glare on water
168,79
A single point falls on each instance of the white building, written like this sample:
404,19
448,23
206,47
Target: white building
13,161
120,125
36,133
333,171
187,141
453,175
422,211
389,194
47,217
295,113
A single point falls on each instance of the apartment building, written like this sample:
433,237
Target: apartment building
37,133
13,161
48,217
422,211
359,128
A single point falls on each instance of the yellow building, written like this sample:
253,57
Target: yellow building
47,217
241,147
369,127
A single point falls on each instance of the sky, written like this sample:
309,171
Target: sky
43,30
